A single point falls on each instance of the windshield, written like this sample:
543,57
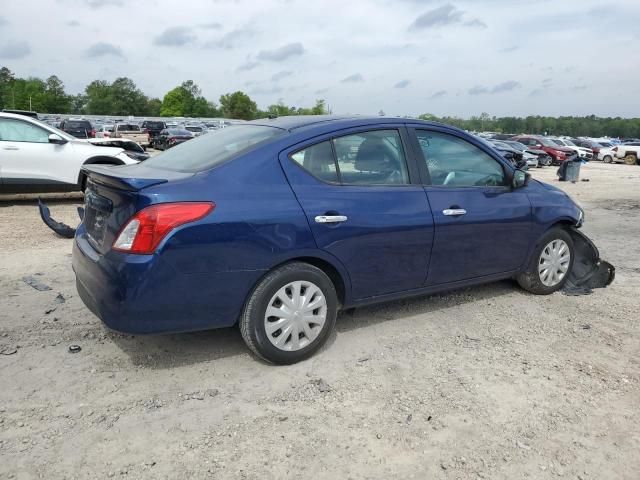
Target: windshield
207,151
517,145
194,129
569,142
547,142
557,141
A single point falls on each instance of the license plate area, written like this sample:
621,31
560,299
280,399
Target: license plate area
97,212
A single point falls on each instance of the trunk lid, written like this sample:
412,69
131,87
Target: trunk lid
114,194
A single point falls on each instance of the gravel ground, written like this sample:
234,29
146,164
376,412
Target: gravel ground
486,382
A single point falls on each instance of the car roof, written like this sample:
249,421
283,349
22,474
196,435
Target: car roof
299,122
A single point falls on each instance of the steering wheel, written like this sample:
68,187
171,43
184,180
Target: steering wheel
449,178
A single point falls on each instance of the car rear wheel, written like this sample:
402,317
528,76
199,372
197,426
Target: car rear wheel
290,313
550,265
630,159
607,159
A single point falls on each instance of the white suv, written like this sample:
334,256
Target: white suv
35,157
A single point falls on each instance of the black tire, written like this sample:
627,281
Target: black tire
530,279
252,320
607,159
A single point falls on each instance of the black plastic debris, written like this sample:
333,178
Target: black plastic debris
60,228
74,348
589,270
59,299
35,283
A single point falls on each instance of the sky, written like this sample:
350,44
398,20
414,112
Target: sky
404,57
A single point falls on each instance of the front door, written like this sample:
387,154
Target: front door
482,225
365,208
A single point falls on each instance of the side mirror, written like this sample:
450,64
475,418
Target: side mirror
56,139
520,179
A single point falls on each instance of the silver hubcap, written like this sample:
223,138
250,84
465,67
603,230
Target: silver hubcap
554,262
295,315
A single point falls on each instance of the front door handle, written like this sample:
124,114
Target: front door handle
10,147
454,212
330,218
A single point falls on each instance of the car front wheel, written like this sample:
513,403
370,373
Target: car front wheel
550,265
290,313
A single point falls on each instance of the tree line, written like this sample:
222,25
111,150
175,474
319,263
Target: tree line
589,126
123,97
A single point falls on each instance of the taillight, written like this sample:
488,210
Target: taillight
145,230
172,139
92,134
107,134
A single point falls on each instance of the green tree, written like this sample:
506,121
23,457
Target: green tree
154,105
98,98
55,99
187,101
174,103
7,79
238,105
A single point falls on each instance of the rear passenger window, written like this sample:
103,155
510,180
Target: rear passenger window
367,158
372,158
318,161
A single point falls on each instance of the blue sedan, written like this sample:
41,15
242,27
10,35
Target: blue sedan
277,224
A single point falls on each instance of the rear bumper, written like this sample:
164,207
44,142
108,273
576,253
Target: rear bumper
144,294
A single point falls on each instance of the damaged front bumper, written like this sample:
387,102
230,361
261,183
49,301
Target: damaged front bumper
589,270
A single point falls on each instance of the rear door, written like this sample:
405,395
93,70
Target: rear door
482,225
365,206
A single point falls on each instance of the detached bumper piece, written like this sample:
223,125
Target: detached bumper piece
589,270
60,228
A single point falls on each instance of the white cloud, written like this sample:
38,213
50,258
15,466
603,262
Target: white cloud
471,56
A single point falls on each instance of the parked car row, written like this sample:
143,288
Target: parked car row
144,132
560,149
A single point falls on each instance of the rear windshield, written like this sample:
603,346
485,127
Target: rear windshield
127,127
194,129
155,125
212,149
77,124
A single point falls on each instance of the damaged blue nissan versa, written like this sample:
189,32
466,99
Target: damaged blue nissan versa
277,224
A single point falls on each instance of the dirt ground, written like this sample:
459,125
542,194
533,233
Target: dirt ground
486,382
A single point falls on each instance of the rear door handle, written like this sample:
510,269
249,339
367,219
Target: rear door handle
454,212
330,218
10,147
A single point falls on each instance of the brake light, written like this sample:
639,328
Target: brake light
146,229
92,134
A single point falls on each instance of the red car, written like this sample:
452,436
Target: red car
558,154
